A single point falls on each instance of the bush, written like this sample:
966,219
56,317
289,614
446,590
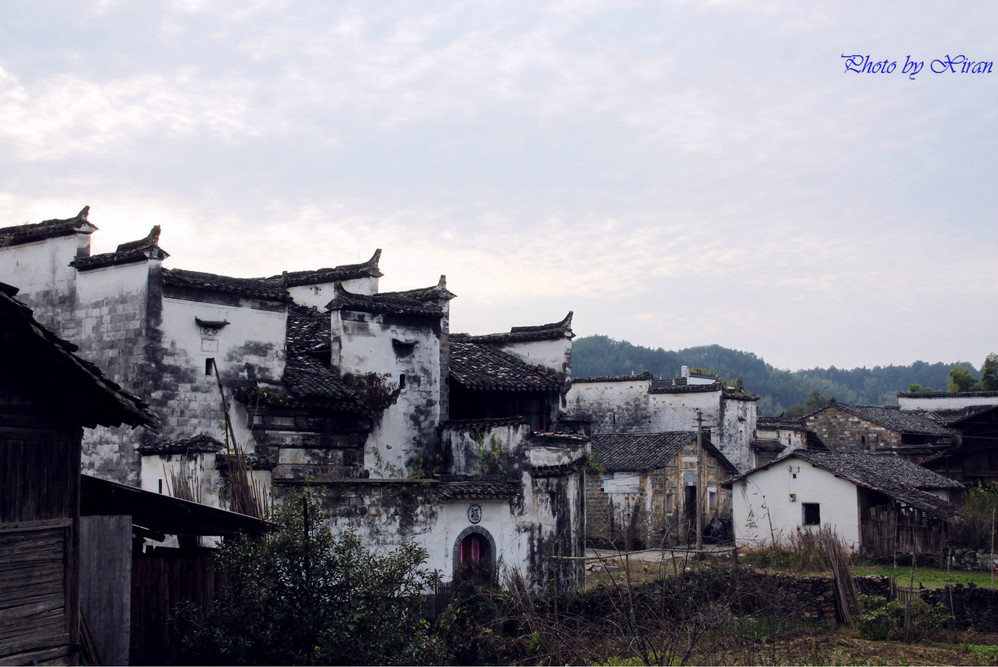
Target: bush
299,595
979,509
882,620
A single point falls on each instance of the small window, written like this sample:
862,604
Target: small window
711,501
670,503
401,380
812,514
209,365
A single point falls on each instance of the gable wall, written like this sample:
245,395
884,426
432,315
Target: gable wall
763,511
841,431
615,407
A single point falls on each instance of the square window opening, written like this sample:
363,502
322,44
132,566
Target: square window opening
812,514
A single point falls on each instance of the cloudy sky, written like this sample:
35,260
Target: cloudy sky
677,173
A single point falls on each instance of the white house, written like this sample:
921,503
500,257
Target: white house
862,497
413,432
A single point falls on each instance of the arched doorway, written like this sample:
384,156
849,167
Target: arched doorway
474,553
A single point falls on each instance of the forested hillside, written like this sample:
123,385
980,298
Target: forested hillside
777,389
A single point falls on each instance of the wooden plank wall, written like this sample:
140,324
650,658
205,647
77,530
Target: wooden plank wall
105,584
159,584
34,619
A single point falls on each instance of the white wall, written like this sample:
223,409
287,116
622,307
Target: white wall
618,407
762,507
320,294
951,402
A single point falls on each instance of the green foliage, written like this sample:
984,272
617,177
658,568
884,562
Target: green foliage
989,374
777,389
882,620
980,508
300,595
961,379
815,401
917,388
490,459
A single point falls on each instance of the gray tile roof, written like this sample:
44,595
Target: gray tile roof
248,287
484,367
19,234
892,418
85,391
646,375
888,474
471,489
639,452
553,331
127,253
420,303
307,332
368,269
198,443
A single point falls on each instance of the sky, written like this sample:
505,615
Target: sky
675,173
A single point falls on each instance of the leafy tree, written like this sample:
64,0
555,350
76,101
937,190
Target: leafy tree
989,373
815,401
299,595
961,379
917,388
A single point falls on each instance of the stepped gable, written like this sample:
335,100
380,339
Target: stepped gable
39,231
90,396
210,282
893,418
485,367
414,302
201,443
308,332
640,452
553,331
368,269
127,253
646,375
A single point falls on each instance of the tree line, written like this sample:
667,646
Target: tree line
780,389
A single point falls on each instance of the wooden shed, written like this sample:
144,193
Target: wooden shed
47,396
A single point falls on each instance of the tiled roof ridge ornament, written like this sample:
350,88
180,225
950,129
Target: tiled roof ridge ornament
151,240
414,302
39,231
565,324
367,269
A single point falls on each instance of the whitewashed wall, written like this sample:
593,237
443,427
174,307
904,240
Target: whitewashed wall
617,407
320,294
950,402
763,508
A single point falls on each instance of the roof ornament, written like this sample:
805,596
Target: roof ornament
84,212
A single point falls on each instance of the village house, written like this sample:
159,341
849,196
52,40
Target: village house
974,414
642,489
643,404
48,395
879,429
877,503
318,378
777,436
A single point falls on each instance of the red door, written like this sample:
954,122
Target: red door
471,549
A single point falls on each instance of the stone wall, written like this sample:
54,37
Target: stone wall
842,431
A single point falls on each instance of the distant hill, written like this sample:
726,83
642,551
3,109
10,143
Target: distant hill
777,389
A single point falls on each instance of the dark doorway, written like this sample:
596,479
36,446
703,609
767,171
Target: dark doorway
690,512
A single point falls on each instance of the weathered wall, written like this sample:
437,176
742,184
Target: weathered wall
946,401
648,509
841,431
159,471
736,429
250,347
615,407
482,449
768,504
396,346
319,294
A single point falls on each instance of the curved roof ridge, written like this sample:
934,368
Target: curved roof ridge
47,229
552,331
368,269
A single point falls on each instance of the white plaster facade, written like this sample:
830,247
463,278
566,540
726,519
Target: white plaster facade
162,333
768,505
931,400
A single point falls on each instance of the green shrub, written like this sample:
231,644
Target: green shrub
300,595
882,620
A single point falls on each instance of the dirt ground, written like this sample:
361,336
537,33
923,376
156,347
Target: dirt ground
842,647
